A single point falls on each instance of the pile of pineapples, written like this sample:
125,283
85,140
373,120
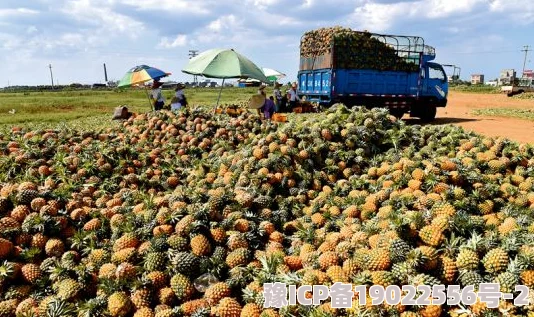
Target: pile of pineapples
356,50
190,213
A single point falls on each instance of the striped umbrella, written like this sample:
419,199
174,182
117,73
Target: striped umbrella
141,74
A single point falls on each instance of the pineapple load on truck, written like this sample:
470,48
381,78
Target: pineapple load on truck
352,50
192,214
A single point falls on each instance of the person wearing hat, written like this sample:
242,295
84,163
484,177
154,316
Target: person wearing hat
293,97
178,100
157,97
277,96
261,90
263,105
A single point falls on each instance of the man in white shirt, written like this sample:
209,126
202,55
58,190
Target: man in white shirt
293,96
178,101
157,97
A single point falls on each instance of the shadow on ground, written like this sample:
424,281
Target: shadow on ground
439,121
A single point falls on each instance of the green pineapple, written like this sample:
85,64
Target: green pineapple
178,242
184,262
182,287
155,261
470,278
68,289
507,281
398,250
26,196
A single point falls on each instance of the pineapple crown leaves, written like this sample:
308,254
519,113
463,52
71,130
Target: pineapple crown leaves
60,308
6,270
452,244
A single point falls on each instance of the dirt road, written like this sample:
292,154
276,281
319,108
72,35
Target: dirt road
461,105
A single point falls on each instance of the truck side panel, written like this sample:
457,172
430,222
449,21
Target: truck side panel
375,82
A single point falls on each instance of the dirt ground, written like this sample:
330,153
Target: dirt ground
459,111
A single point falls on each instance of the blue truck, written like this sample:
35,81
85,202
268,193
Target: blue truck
372,70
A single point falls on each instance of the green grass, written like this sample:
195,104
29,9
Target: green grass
527,114
87,107
476,89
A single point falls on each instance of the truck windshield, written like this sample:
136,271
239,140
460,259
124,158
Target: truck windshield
436,72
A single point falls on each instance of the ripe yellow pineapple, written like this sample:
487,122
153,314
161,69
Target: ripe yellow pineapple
119,304
432,235
200,245
495,261
214,293
228,307
251,310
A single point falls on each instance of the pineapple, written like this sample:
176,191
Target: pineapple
467,259
215,292
182,287
31,273
238,257
119,304
68,289
228,307
200,245
141,298
184,262
431,235
495,261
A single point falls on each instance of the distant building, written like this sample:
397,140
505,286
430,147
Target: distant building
528,73
477,79
507,77
492,83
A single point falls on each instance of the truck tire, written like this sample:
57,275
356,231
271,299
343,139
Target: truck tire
428,113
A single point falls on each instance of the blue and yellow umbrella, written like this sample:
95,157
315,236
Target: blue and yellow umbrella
141,74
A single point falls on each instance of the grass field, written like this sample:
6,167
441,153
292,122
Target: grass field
527,114
87,107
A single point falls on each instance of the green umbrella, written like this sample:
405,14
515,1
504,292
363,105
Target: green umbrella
223,63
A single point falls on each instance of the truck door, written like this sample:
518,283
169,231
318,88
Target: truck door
436,85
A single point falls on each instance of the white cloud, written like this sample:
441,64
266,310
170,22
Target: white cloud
521,11
187,7
17,12
380,17
228,22
103,17
180,40
31,29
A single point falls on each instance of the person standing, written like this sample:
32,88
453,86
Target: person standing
268,108
293,97
178,100
277,97
157,97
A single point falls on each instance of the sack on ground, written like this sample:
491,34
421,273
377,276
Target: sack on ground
121,112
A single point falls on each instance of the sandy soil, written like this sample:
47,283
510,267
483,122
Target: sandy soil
459,111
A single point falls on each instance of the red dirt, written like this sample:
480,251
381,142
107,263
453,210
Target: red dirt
461,105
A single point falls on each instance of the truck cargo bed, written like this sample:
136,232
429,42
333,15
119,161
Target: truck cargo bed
327,84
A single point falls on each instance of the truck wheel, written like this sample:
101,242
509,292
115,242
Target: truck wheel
397,113
428,113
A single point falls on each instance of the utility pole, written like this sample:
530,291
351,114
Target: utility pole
51,76
193,53
526,50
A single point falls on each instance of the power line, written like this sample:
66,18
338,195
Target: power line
526,50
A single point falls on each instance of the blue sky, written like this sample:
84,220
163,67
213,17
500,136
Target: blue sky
78,36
